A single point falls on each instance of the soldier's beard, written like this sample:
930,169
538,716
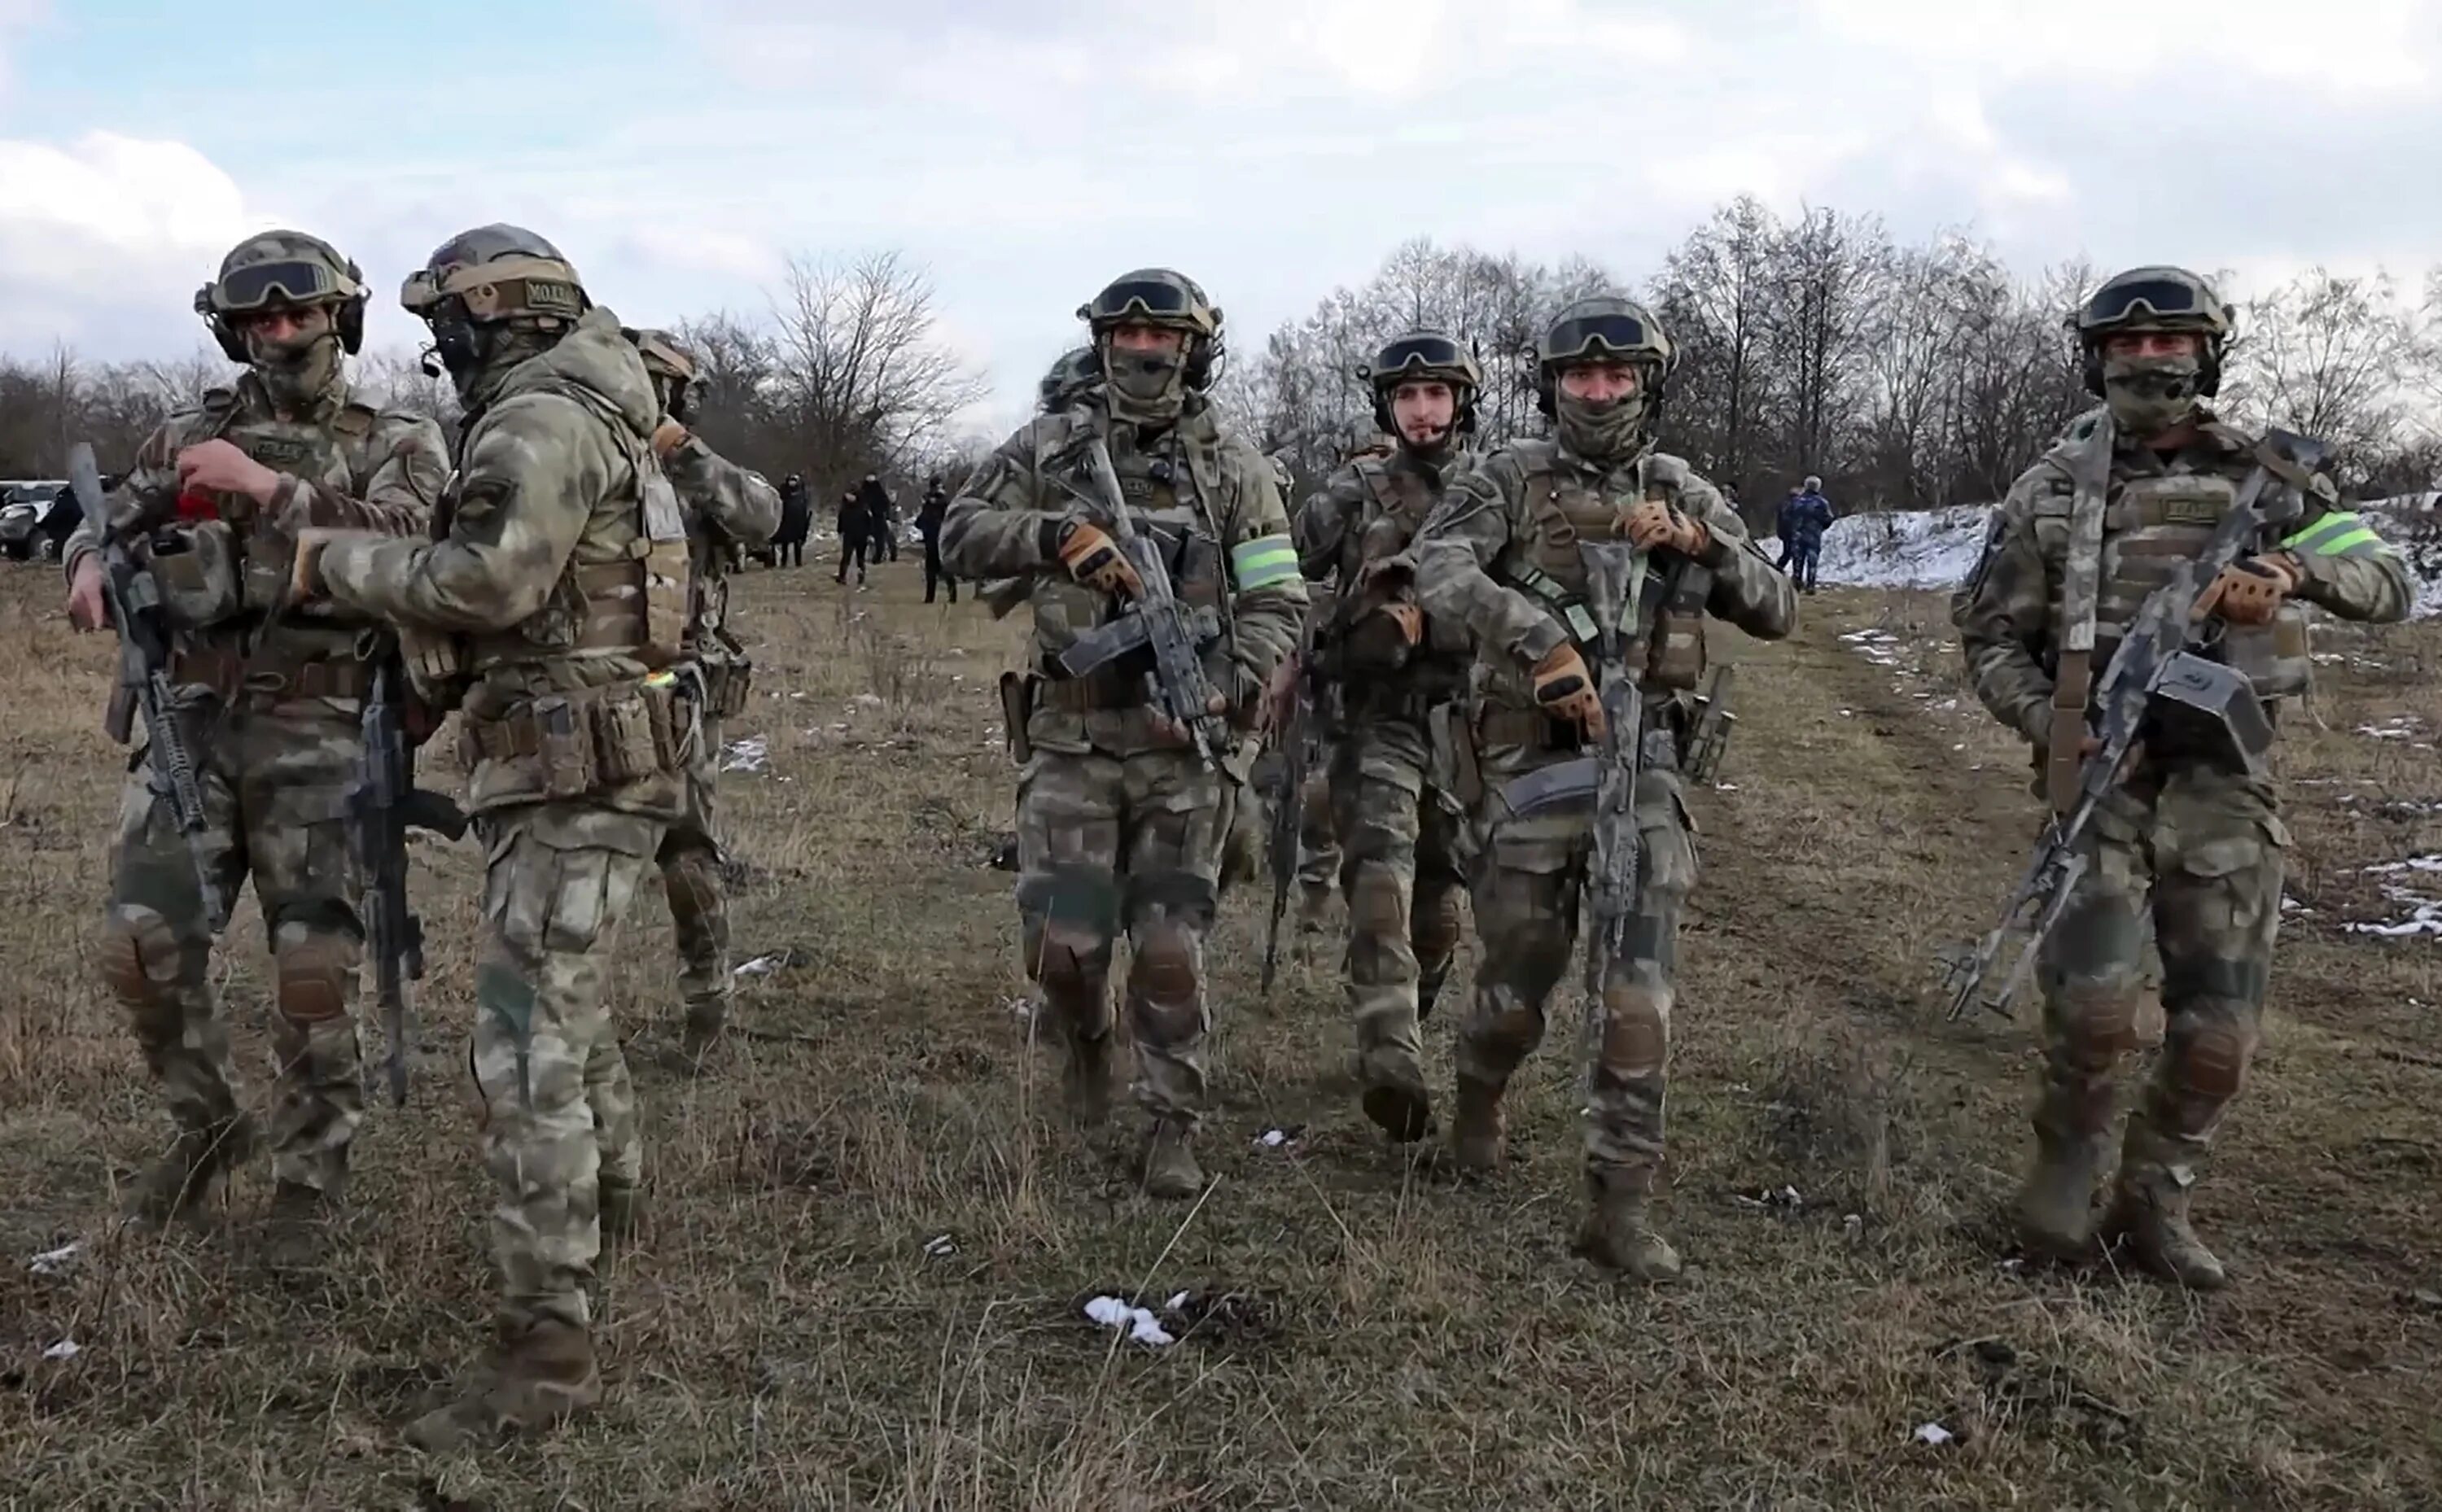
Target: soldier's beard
2149,396
296,374
1599,431
1145,388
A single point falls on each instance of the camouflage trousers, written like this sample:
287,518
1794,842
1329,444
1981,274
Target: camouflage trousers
1319,830
1105,844
559,1112
2200,851
274,787
1529,874
690,861
1402,880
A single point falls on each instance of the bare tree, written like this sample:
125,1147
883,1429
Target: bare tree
2331,357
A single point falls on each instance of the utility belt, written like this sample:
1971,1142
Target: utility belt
1093,693
1379,703
577,744
229,673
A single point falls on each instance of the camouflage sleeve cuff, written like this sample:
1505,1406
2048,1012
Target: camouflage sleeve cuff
1540,641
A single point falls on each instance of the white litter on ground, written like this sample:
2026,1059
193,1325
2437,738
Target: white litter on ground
750,755
2403,727
940,1248
1934,1433
1273,1140
2422,910
759,966
1140,1324
51,1262
65,1349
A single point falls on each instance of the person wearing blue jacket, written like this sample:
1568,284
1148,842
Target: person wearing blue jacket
1805,514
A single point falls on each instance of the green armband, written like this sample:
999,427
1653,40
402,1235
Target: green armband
1263,562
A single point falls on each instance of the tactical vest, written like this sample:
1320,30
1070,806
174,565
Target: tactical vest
1173,496
1564,508
625,589
2151,526
1397,501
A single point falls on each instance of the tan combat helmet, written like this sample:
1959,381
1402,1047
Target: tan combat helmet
2157,297
282,267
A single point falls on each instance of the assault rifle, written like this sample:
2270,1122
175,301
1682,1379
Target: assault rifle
1158,621
1298,738
1615,586
135,602
2154,680
383,804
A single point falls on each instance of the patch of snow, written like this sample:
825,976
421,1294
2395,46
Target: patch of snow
751,755
1140,1324
1175,1302
52,1262
2400,727
1272,1139
1934,1433
871,700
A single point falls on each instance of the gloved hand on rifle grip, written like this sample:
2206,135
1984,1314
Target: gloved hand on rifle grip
1095,559
2249,592
1653,525
1565,686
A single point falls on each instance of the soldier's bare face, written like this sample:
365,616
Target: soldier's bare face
1424,409
286,323
2153,345
1600,382
1136,336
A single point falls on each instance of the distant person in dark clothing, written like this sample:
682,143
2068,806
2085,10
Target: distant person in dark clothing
928,524
796,518
1805,514
880,536
854,526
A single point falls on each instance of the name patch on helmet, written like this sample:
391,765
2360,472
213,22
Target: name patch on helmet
553,297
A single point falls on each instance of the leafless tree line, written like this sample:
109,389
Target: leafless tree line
1908,376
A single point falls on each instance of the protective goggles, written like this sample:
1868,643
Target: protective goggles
260,284
1621,334
2172,298
1150,297
1427,352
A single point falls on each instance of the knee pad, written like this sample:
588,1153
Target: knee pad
1378,900
691,881
2099,1022
314,972
1069,961
140,956
1434,927
2205,1062
1505,1029
1164,983
1636,1029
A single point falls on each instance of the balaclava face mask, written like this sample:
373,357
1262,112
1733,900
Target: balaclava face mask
2149,396
1145,388
479,364
299,371
1601,432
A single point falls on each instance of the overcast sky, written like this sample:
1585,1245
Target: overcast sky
1026,152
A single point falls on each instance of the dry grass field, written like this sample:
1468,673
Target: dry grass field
860,1279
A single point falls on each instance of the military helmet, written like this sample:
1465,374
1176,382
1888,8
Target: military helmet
1078,369
1604,328
665,356
2155,298
1424,356
1162,297
282,267
496,273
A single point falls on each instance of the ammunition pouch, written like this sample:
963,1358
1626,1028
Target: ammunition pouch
567,746
437,670
1087,695
1676,657
1709,729
2272,657
1016,708
1500,725
198,571
725,686
1453,740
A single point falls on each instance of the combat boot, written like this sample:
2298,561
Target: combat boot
545,1373
2150,1217
1617,1233
1476,1125
2055,1206
181,1182
1394,1096
1170,1169
706,1020
1085,1080
297,1236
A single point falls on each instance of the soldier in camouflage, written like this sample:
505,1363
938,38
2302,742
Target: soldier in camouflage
1393,814
2081,541
1498,559
552,609
1120,823
730,511
269,694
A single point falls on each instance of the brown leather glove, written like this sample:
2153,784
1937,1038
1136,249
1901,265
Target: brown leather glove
2249,592
304,571
1095,559
1653,525
1565,686
670,436
1409,618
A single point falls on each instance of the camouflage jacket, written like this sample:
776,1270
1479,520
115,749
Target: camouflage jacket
1504,523
1368,512
729,509
360,467
1205,494
2009,609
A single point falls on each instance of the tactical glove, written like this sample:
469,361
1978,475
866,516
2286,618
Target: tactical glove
2250,593
670,436
1565,686
1384,635
1095,559
1655,526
